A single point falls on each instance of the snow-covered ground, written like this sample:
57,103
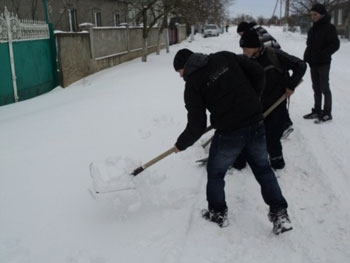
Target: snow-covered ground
130,114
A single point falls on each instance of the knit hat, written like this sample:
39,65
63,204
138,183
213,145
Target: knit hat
243,26
181,58
319,8
250,39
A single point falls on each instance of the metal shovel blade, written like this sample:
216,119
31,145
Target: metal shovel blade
111,176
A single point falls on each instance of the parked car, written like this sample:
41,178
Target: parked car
211,30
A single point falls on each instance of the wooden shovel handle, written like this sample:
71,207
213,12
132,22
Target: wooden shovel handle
159,157
166,153
274,106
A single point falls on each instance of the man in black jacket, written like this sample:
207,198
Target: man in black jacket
266,40
277,65
322,42
229,87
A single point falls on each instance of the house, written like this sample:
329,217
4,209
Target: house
67,15
341,18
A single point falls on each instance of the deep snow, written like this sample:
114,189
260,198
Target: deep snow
134,112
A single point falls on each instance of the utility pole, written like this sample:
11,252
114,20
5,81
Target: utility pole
286,14
274,10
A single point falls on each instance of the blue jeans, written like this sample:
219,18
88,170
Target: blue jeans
224,149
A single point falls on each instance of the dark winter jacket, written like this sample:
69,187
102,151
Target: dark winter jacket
228,86
277,65
322,42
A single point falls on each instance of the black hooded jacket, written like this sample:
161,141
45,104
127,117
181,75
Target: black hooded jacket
228,86
278,65
322,42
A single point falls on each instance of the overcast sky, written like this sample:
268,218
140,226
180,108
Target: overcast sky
255,8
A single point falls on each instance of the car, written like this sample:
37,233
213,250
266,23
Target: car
211,30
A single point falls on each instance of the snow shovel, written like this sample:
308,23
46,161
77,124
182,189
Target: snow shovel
265,114
105,176
112,176
153,161
159,157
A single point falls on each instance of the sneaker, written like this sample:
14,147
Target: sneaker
313,115
324,118
281,221
277,162
219,218
287,132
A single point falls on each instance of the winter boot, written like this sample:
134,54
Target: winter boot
277,162
324,118
280,220
219,218
313,115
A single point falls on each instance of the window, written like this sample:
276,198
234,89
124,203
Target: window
340,17
97,18
72,20
332,17
116,19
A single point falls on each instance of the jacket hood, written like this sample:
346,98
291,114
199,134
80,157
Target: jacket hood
195,62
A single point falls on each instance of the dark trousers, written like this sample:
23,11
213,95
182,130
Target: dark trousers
275,125
320,85
224,149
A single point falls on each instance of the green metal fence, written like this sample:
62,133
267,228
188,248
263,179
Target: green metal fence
27,59
6,90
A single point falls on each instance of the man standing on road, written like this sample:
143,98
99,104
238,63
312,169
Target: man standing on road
229,87
322,42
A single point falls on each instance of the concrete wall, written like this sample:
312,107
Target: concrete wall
82,54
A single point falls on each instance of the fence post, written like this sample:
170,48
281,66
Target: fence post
12,61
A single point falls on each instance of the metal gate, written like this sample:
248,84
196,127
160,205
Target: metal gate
27,58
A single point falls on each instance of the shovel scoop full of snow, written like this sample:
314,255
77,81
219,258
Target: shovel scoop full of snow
111,175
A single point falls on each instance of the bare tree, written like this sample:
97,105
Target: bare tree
145,13
167,7
34,8
194,12
302,7
24,8
149,13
